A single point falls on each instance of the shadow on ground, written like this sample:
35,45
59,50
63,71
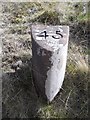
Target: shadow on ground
21,101
19,97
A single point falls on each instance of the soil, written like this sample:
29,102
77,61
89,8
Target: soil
19,98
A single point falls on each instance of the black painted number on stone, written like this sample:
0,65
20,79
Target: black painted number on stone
44,34
58,33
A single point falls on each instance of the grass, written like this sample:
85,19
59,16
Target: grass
73,101
19,97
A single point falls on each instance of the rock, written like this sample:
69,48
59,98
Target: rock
19,63
49,55
16,65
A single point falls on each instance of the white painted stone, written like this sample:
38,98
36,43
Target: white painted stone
55,75
55,56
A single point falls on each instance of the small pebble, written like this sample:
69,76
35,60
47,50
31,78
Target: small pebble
16,65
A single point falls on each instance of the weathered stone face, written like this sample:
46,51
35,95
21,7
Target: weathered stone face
56,36
49,50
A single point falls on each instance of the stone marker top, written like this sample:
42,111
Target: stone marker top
50,37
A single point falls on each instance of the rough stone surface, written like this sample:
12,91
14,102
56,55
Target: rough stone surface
49,50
